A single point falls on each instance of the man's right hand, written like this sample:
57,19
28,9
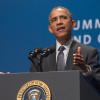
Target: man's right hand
4,73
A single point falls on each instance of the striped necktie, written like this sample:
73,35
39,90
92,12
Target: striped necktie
60,59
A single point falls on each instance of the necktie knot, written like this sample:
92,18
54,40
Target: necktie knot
61,48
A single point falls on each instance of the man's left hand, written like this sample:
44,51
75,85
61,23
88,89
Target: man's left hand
80,62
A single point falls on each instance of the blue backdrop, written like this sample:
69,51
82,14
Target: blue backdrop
24,26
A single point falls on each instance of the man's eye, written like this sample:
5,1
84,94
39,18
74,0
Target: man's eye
53,19
64,17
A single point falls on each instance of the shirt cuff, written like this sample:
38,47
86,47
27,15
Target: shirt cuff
89,72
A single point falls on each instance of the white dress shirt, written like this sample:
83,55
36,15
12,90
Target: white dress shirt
66,51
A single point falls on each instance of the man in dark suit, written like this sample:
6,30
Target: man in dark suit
76,56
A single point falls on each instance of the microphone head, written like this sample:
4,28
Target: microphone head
34,53
52,49
48,50
38,50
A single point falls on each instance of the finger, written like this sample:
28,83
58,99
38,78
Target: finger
79,61
79,58
8,72
1,73
77,55
76,64
79,50
79,65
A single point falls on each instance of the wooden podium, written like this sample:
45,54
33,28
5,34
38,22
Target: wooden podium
69,85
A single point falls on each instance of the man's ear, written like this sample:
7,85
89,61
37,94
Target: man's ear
73,23
50,29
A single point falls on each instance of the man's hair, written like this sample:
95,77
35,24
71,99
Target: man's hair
67,11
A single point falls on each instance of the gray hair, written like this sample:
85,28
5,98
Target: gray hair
67,11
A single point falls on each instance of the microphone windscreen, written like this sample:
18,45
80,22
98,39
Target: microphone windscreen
38,50
52,48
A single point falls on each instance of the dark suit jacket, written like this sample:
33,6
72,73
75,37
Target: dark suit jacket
90,55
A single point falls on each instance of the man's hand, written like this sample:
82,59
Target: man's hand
4,73
80,62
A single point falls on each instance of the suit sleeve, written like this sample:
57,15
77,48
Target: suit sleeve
93,62
92,58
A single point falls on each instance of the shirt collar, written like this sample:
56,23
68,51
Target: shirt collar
66,45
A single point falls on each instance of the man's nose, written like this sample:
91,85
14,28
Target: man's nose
59,22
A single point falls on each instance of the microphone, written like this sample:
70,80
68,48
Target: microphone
38,53
34,53
47,51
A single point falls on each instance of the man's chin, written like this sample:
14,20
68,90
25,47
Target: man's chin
61,37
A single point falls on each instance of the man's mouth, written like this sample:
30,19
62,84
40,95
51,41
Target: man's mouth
60,28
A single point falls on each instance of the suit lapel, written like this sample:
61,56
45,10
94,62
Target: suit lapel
72,50
69,63
52,61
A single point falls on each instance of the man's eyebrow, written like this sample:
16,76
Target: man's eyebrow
63,15
53,17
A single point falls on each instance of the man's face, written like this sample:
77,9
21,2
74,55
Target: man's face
60,23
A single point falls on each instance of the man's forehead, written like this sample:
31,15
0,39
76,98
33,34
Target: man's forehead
58,11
